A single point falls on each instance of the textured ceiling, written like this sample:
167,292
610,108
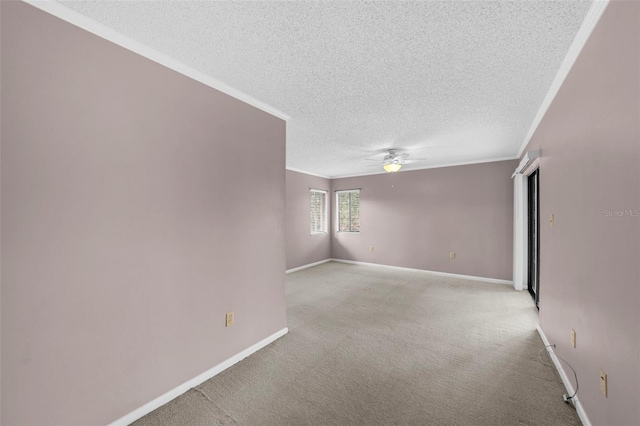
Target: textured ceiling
450,82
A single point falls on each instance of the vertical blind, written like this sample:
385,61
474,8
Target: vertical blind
349,210
318,211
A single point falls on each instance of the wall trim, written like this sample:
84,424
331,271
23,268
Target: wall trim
521,223
179,390
565,379
308,265
435,166
76,18
440,274
529,160
304,172
588,24
520,235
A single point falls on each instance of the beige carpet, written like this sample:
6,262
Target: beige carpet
374,346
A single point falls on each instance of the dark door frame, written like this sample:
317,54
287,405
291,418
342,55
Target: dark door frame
533,237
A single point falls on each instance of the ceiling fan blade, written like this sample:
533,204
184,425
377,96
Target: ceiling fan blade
393,156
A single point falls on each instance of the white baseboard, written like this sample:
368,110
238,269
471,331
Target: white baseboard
565,379
309,265
440,274
176,392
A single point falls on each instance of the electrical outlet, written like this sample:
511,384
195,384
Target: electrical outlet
371,248
229,319
603,383
452,255
573,338
552,220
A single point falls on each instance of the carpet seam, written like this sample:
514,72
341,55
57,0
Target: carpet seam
201,392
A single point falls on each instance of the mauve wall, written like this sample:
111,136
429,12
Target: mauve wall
0,215
126,235
590,276
302,247
414,219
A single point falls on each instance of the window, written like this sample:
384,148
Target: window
318,211
348,210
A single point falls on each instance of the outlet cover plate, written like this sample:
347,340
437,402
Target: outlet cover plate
229,319
603,383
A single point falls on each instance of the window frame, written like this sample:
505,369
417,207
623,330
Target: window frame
325,222
355,190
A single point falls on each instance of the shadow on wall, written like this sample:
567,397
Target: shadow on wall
340,250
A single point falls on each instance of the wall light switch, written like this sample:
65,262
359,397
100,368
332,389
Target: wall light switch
371,248
452,255
573,338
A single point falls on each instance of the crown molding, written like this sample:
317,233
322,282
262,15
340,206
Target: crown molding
588,24
74,17
291,169
437,166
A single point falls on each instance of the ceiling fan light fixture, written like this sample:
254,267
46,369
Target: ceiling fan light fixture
392,167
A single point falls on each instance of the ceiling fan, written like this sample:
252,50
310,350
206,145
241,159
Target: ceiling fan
393,160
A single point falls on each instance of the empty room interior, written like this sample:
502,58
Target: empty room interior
320,213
